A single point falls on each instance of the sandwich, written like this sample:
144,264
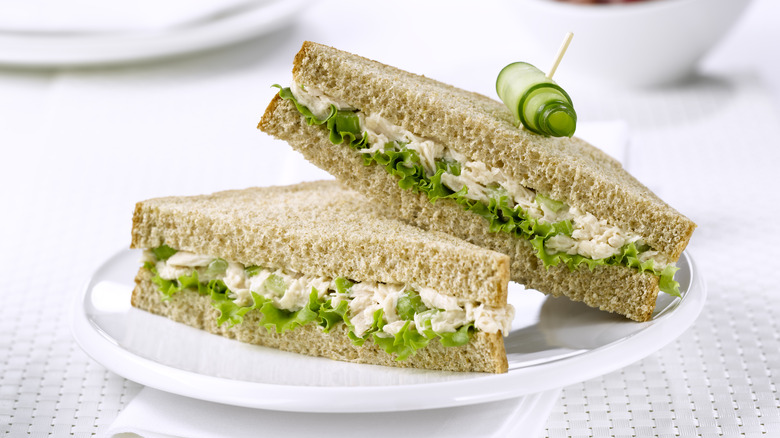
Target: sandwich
313,269
571,219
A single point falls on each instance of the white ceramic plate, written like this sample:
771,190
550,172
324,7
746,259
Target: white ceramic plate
553,343
86,49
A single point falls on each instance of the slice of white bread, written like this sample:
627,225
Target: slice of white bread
325,230
568,170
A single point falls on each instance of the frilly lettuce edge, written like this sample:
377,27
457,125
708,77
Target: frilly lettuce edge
318,311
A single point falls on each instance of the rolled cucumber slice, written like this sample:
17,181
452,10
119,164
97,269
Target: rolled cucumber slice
537,102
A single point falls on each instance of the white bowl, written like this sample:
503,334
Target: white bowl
636,44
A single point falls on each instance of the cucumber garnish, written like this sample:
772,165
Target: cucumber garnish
536,101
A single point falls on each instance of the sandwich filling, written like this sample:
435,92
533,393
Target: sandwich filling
398,318
559,233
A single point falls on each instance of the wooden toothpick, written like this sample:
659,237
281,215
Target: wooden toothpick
561,52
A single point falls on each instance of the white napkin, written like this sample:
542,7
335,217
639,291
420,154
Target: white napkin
99,16
156,414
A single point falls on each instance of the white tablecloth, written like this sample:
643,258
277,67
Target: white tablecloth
80,147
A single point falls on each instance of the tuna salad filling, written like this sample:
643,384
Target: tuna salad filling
558,232
399,318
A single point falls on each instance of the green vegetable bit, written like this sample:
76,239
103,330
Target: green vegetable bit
216,267
408,305
537,102
275,284
253,270
163,252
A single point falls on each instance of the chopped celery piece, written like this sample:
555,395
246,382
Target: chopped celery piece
275,284
216,267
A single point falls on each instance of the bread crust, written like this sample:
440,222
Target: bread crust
485,353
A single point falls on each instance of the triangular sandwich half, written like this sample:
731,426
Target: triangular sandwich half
572,220
311,269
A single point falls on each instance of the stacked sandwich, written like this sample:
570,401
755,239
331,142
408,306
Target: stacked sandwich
444,199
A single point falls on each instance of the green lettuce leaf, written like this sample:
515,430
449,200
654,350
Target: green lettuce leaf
408,305
189,281
343,285
229,311
329,316
169,287
342,125
163,252
551,204
448,166
459,337
667,283
311,119
404,344
408,340
282,320
376,325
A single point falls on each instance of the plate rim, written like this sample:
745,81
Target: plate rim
89,50
353,399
